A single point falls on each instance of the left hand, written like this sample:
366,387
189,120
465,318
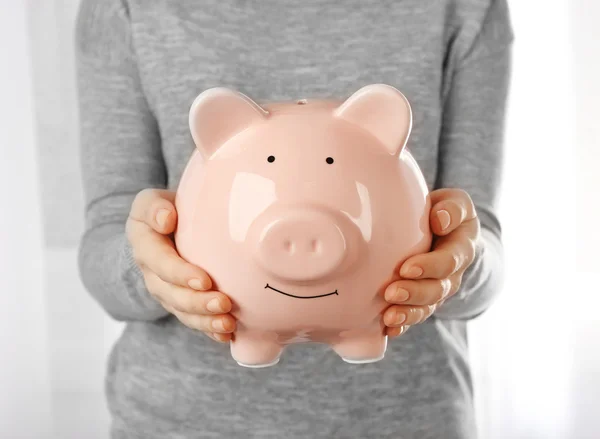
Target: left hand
428,279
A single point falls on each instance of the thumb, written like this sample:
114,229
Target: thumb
156,208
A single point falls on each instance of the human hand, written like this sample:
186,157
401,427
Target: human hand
182,288
428,279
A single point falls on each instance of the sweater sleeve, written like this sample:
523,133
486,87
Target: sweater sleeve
120,155
471,149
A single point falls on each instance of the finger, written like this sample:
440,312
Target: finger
223,337
155,208
219,337
421,292
451,253
466,234
455,282
224,323
437,264
204,303
396,331
450,208
157,253
397,315
187,300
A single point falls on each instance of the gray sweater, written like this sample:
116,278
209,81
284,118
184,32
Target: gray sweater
141,64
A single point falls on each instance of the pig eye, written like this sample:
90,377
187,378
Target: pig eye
271,158
329,160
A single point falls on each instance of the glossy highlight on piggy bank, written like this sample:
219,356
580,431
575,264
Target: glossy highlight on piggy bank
302,212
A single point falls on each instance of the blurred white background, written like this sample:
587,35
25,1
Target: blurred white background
536,353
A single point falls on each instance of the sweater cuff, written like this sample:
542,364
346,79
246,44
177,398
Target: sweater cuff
111,275
135,286
480,284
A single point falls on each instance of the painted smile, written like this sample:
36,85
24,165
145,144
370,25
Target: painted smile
300,297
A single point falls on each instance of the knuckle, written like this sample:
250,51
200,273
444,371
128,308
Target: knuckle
460,201
146,204
415,315
471,251
421,314
469,203
468,207
462,195
455,285
141,200
147,194
430,310
452,264
455,192
445,286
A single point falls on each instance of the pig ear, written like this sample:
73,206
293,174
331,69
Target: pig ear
382,111
218,114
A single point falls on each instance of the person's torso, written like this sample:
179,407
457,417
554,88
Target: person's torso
168,381
287,50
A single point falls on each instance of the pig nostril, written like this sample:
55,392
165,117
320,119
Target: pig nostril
288,246
315,246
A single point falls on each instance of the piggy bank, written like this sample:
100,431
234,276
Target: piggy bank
302,212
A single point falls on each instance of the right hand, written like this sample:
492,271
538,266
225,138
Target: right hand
182,288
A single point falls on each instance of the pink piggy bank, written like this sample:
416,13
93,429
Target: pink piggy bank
302,213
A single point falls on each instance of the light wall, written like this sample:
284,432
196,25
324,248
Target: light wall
25,384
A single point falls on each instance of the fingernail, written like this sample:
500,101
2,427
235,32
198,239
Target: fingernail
395,318
214,305
162,216
199,284
390,317
396,295
413,271
218,325
444,218
400,317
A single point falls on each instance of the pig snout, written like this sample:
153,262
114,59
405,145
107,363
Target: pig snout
301,246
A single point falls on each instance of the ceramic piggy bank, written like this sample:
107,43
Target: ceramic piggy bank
302,212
